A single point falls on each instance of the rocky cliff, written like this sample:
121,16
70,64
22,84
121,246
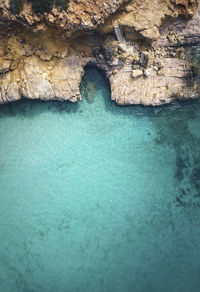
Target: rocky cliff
43,51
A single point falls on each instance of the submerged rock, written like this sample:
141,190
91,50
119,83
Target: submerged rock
89,91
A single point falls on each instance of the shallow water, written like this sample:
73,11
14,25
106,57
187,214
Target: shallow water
95,197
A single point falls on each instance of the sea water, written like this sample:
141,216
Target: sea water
97,197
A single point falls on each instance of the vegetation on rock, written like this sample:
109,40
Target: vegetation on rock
62,3
16,6
39,6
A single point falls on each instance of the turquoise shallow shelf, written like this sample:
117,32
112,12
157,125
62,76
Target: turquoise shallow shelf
96,197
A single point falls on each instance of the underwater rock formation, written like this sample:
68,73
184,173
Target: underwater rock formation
43,51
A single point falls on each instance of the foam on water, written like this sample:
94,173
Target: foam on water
95,197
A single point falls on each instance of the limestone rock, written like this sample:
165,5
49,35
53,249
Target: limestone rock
79,15
42,56
4,65
156,90
38,88
137,73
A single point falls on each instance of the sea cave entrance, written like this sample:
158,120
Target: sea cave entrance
94,80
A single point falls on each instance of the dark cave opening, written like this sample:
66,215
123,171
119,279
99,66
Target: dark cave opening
93,79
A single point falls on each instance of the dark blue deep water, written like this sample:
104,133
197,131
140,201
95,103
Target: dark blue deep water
99,198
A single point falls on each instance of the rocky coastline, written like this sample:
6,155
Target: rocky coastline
43,55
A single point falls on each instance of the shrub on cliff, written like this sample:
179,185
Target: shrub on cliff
39,6
62,3
16,6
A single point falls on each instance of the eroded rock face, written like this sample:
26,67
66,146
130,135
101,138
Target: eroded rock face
43,56
80,14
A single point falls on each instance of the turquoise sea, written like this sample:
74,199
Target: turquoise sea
99,198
